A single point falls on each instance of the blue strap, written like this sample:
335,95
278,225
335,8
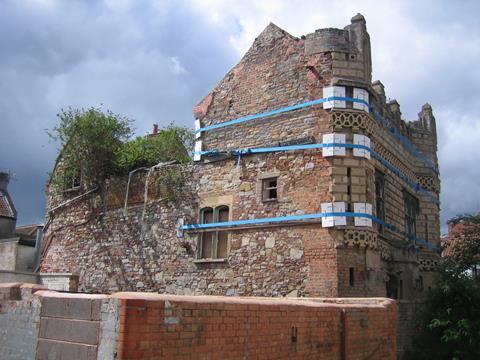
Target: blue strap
377,116
413,184
407,143
279,219
278,111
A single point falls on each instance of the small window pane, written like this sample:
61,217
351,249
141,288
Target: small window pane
208,216
222,250
207,244
223,214
269,189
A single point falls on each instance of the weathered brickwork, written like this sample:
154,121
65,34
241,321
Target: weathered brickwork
47,324
117,248
179,327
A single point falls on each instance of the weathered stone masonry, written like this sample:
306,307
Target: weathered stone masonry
112,250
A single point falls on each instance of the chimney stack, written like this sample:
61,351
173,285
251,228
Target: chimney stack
4,179
155,129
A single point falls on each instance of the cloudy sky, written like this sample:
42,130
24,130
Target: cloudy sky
154,60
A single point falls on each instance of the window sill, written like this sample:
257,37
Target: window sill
72,190
269,200
207,261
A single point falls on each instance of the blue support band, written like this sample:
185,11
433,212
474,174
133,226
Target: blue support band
407,143
378,117
413,184
278,111
273,220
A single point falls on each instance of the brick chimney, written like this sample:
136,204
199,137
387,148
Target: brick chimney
155,129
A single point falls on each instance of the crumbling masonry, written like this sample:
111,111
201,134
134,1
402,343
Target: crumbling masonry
306,182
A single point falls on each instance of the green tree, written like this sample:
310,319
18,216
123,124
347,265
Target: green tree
170,143
90,141
449,326
94,145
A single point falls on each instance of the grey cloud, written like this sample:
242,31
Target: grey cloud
81,54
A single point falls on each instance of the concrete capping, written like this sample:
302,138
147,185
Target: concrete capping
18,272
306,302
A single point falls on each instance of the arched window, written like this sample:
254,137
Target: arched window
213,244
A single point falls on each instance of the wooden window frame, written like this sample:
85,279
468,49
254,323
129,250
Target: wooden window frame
216,218
267,189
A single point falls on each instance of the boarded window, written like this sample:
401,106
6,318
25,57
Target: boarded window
214,244
207,237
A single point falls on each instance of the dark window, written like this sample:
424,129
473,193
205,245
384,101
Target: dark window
392,287
380,198
206,245
269,189
420,283
349,94
351,279
411,211
213,244
222,236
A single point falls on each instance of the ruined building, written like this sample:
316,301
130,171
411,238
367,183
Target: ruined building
306,182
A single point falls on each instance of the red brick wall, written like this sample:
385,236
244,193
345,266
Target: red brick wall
180,327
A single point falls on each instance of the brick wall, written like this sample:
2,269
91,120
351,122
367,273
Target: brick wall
179,327
49,325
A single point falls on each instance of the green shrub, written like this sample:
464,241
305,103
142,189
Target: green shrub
95,144
171,143
90,141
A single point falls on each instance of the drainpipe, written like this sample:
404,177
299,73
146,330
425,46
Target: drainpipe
38,246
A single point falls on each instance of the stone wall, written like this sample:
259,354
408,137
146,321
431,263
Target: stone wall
8,255
147,255
18,276
19,321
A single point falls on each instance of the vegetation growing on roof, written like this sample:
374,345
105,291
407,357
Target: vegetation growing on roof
95,144
168,144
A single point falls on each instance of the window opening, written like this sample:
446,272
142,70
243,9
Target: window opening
269,189
380,199
71,179
214,243
411,211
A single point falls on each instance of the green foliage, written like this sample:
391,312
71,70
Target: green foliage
95,144
171,143
170,184
90,141
450,322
